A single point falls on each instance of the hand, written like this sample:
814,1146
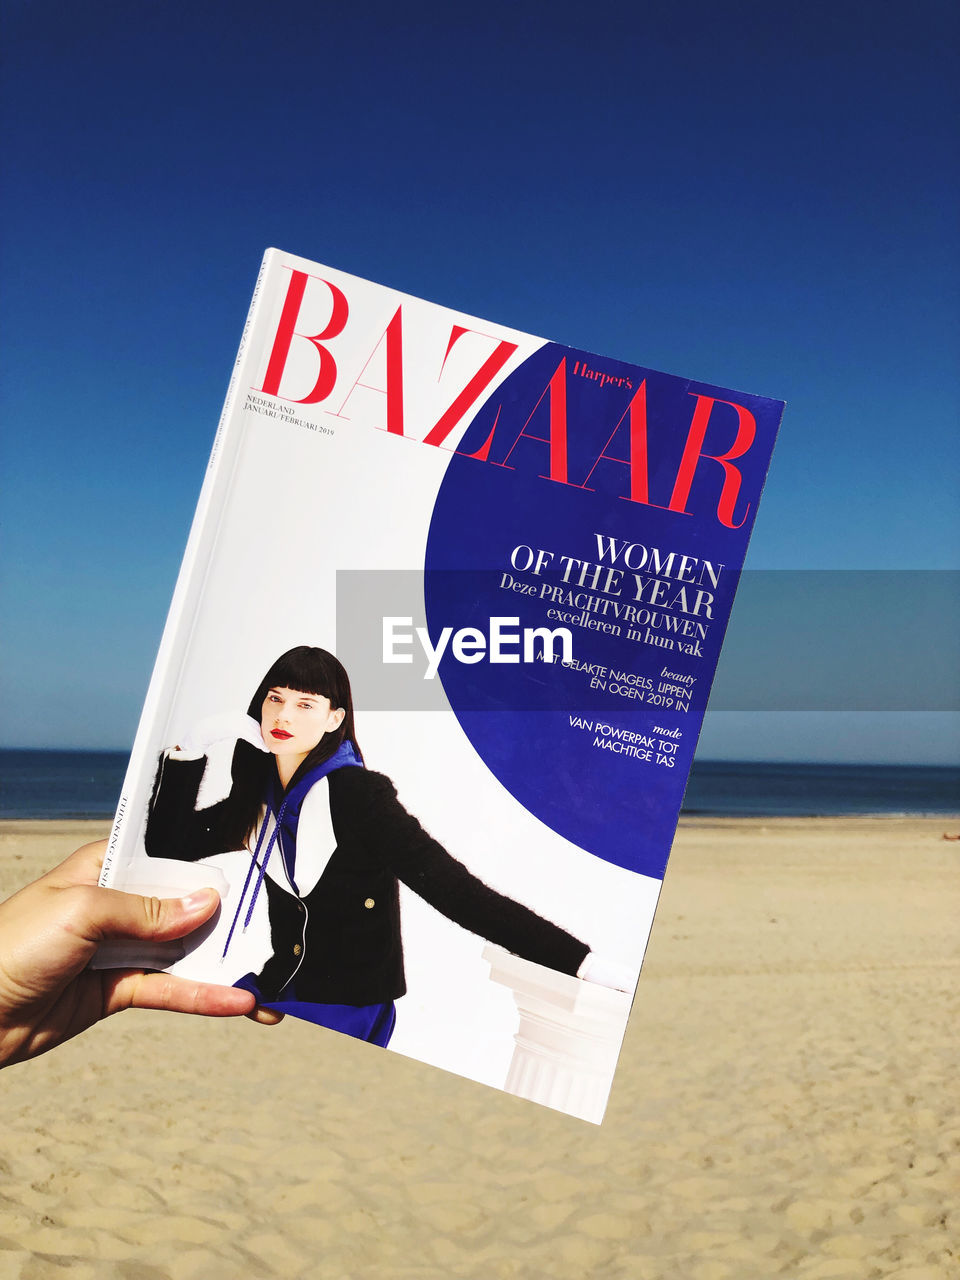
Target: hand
50,930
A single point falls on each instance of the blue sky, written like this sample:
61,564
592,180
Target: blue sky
761,196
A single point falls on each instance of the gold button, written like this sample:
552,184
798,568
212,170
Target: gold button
368,903
297,948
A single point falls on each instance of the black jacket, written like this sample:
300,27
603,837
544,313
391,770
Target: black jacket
342,939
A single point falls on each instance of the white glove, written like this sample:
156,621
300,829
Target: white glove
228,726
606,972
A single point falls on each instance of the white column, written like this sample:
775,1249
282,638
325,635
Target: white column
569,1037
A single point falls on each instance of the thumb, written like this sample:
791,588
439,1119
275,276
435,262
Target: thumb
114,914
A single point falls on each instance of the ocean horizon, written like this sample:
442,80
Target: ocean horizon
79,784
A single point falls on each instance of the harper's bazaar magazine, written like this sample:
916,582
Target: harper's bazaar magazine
433,675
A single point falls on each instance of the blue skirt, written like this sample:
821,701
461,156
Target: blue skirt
371,1022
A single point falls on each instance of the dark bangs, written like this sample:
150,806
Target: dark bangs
307,670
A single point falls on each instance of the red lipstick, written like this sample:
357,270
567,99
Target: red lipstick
280,733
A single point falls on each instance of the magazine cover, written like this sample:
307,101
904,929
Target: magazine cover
432,678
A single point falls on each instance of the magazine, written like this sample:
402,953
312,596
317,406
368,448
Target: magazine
433,675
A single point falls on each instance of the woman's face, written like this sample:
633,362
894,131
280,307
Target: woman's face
292,723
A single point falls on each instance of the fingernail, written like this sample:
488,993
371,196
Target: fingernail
198,899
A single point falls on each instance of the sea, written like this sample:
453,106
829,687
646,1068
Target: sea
86,784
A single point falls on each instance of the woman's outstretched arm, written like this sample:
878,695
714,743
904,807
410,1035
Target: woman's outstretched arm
430,871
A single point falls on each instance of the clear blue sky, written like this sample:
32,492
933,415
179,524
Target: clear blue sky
757,195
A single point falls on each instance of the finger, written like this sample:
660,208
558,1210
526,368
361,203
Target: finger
108,913
82,867
266,1017
138,990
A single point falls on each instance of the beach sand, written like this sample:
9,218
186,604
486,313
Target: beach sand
786,1105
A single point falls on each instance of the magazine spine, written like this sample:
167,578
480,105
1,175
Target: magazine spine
194,565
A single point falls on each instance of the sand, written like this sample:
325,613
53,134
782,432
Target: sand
786,1105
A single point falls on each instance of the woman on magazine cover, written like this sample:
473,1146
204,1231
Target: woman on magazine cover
329,842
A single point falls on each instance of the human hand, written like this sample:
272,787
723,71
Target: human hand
50,930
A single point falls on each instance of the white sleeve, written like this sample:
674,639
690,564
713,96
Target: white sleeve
606,972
